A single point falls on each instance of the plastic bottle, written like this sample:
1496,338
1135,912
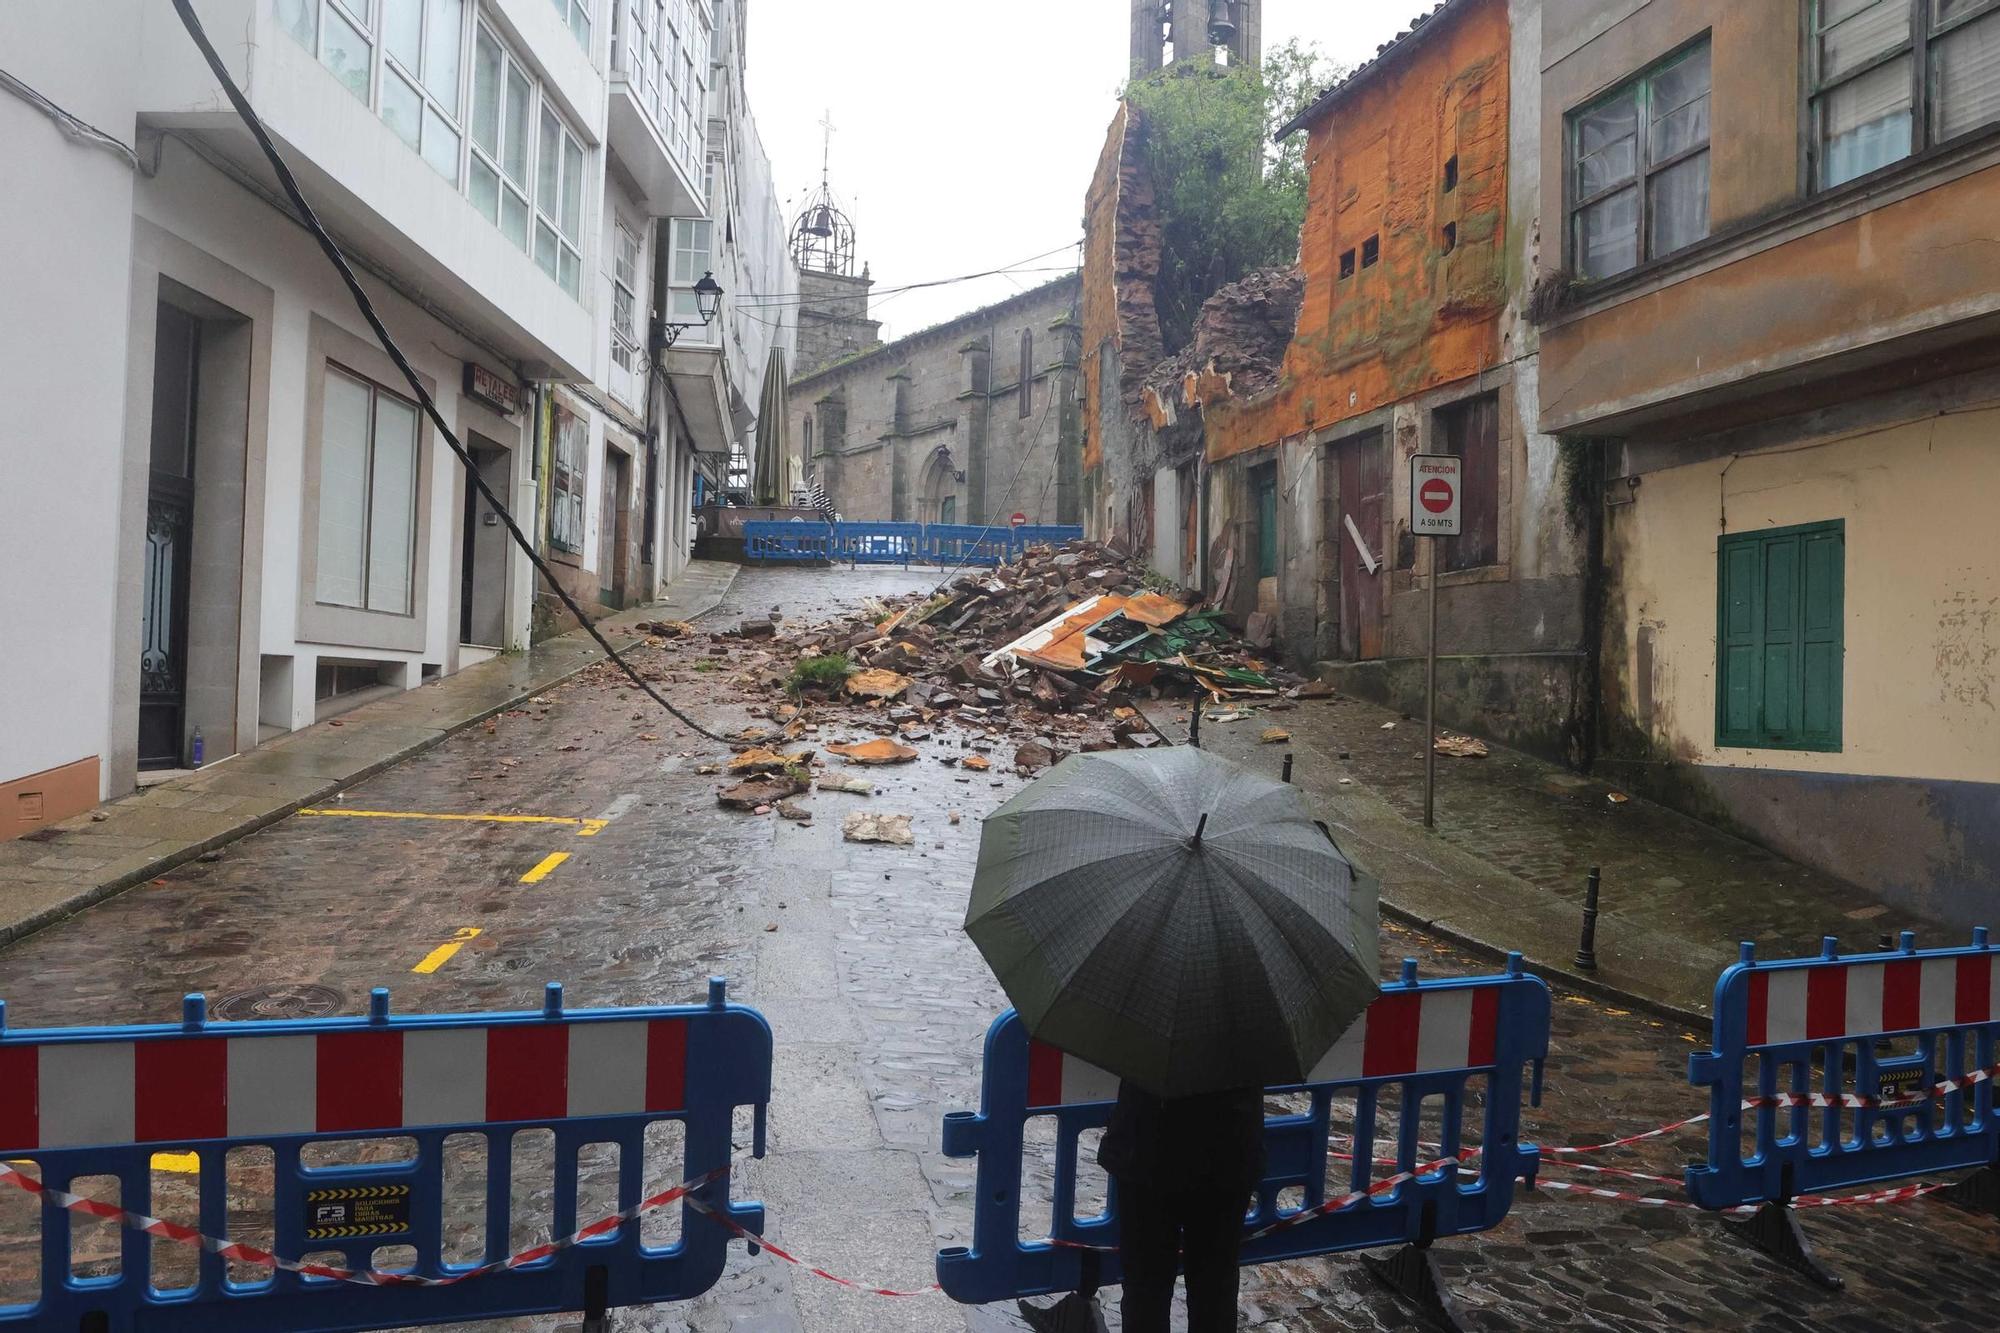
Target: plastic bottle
195,749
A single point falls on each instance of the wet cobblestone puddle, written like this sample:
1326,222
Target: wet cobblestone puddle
879,1006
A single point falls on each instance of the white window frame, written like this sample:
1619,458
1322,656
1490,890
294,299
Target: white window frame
563,261
626,260
389,66
511,67
570,249
578,16
687,263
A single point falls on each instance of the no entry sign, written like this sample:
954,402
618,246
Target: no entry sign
1436,506
1018,521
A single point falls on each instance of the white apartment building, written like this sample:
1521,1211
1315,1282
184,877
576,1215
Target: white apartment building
221,508
740,236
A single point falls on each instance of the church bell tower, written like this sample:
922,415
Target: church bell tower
1164,31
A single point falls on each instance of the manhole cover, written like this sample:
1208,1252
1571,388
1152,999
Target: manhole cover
302,1001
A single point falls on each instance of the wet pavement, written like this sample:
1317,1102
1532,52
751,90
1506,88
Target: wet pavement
1516,839
879,1006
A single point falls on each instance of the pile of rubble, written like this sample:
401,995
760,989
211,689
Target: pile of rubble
1012,667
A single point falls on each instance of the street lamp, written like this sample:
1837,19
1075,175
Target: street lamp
707,300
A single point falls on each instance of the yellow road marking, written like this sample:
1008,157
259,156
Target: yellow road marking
547,866
585,828
180,1163
441,955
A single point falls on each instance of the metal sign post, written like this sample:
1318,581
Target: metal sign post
1436,510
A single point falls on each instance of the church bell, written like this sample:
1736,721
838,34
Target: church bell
821,222
1222,23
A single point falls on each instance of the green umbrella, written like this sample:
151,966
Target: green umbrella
1175,920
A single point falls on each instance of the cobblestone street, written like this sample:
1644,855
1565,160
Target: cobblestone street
879,1005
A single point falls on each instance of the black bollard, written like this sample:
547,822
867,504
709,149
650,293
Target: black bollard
1194,724
1288,770
1586,950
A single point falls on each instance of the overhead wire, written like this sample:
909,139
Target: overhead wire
332,250
74,126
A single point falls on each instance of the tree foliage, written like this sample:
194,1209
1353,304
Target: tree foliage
1230,201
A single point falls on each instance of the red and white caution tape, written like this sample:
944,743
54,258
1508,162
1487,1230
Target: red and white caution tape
792,1259
1382,1186
365,1277
1852,1101
1629,1139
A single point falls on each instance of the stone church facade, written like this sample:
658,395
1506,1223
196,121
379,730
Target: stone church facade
970,421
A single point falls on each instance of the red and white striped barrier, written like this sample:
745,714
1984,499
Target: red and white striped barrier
57,1095
1401,1033
364,1277
1794,1004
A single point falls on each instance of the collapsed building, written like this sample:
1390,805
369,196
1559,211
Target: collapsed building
1266,462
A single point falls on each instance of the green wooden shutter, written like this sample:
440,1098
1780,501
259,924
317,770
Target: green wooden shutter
1779,641
1738,642
1822,568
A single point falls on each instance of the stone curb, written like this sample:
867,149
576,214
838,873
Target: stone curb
110,888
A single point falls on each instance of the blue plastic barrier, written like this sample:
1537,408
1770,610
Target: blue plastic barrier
101,1102
788,542
878,543
1427,1040
1870,1067
966,544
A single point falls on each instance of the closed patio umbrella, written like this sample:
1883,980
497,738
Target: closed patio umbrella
771,479
1175,920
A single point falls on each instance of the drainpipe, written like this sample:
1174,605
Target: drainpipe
1590,715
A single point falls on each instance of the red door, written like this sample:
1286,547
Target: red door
1357,519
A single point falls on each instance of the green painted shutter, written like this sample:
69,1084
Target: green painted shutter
1779,641
1267,528
1822,569
1739,642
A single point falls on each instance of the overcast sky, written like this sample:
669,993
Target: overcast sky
966,132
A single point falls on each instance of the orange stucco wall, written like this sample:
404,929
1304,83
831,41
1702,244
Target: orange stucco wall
1100,283
1420,317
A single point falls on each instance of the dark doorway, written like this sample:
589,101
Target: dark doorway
163,636
1356,519
615,531
482,601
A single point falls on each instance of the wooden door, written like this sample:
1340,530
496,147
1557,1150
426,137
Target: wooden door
1357,518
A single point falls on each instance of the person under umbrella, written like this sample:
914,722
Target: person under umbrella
1186,925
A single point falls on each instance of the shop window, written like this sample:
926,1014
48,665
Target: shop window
1779,638
367,496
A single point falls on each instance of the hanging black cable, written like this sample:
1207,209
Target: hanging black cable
367,307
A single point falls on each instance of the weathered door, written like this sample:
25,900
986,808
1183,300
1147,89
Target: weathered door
1357,518
618,525
163,634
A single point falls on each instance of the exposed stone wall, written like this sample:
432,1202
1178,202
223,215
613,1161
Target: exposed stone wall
833,320
940,417
1122,342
